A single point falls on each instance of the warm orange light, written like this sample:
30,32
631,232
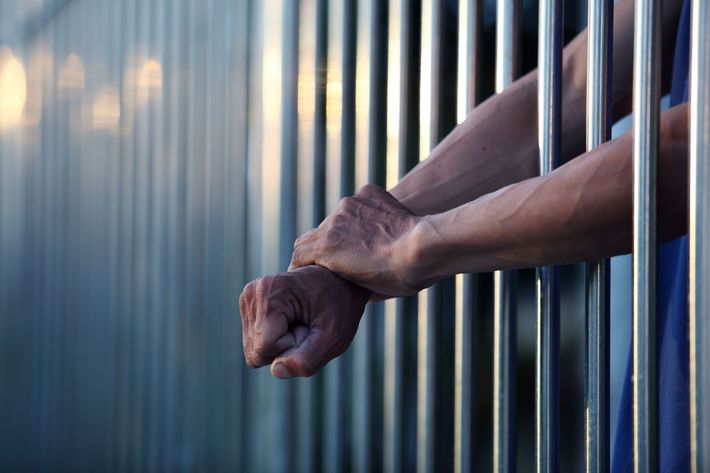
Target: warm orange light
334,99
150,79
13,89
106,111
72,77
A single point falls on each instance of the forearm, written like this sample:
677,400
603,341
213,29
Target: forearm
582,211
497,143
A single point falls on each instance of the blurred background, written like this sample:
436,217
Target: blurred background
156,155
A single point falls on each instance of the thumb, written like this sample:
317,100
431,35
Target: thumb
303,360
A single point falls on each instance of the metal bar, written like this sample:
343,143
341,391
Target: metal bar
399,395
645,156
375,27
548,316
463,373
464,392
596,387
504,350
336,439
425,349
306,415
393,369
699,236
435,311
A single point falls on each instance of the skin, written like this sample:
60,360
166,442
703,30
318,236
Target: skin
298,321
474,205
374,241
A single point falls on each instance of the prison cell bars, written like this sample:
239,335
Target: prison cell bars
598,130
646,88
548,316
699,236
504,339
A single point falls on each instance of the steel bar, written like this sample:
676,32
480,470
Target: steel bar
645,156
464,373
464,392
597,345
548,316
339,124
393,369
306,446
370,83
699,237
435,311
425,348
504,349
399,395
504,342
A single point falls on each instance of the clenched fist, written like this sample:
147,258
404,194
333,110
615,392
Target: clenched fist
365,240
299,321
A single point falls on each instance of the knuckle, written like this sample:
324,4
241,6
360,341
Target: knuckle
248,359
367,189
347,203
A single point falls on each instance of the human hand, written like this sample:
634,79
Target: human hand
299,321
363,241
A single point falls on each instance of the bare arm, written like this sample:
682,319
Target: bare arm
495,147
581,211
497,143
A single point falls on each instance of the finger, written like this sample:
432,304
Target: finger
270,337
265,355
369,190
304,255
246,310
308,238
303,360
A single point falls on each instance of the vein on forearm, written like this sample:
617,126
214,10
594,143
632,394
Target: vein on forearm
582,211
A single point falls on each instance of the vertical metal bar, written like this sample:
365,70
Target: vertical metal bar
645,156
504,349
463,372
400,385
373,76
306,389
339,172
596,387
424,349
469,15
426,327
436,314
506,43
699,236
393,335
548,317
504,352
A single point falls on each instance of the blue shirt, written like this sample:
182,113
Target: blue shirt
672,320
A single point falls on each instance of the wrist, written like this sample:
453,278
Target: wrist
420,266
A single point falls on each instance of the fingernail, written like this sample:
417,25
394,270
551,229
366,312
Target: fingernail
280,371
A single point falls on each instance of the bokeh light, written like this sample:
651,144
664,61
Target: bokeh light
13,89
